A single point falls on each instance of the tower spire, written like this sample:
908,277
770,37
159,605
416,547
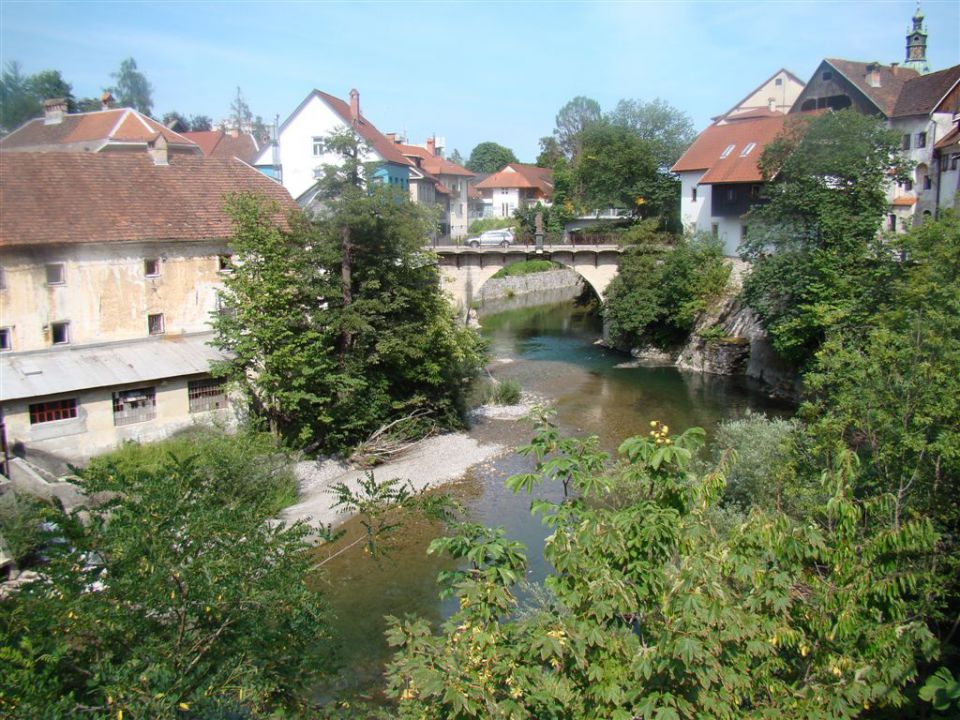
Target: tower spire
917,44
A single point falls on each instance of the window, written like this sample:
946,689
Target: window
225,263
944,163
55,274
778,82
151,267
317,146
905,142
155,324
921,139
208,394
715,229
53,410
6,339
747,149
60,333
954,159
727,151
927,182
134,406
731,195
827,75
754,192
693,194
908,185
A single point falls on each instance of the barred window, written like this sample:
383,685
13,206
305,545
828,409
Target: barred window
155,324
53,410
207,394
134,406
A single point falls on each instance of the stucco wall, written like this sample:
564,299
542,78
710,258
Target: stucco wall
106,295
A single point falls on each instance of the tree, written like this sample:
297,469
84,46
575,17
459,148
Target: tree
489,157
338,323
241,117
550,152
176,121
131,88
653,612
199,123
21,97
175,597
571,122
456,157
669,131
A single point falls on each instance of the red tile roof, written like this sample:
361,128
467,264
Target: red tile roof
54,198
921,95
705,153
518,175
217,143
892,81
90,132
433,164
366,129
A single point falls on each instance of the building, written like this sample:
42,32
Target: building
776,94
299,155
109,268
451,190
514,187
226,144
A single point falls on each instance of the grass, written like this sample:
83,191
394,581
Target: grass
527,267
503,392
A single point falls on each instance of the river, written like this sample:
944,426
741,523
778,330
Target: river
551,351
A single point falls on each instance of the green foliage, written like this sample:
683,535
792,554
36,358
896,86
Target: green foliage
942,691
813,245
131,88
503,392
340,325
22,96
173,599
484,224
656,614
489,157
550,152
554,218
200,123
572,120
669,131
527,267
249,467
659,291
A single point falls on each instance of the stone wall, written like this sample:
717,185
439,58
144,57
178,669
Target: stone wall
541,282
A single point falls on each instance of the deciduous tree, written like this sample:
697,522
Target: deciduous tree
669,131
571,122
131,87
488,157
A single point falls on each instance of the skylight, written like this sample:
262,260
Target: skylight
747,149
726,152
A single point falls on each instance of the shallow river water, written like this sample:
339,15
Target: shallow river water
551,351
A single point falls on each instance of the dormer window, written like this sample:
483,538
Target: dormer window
727,151
827,75
746,151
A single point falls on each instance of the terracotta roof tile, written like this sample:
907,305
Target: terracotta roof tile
892,80
217,143
920,95
518,175
367,130
115,197
705,153
89,132
433,164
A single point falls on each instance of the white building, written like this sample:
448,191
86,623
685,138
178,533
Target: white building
514,187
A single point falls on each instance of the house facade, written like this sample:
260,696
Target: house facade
450,190
298,156
110,264
514,187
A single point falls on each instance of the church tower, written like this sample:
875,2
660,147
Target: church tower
917,45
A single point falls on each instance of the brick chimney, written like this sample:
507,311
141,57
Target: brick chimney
873,75
432,145
53,111
158,150
106,100
355,105
392,137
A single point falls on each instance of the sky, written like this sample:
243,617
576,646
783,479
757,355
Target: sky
466,71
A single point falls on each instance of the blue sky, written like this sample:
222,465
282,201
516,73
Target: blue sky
468,71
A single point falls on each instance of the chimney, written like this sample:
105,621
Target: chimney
105,100
355,105
432,146
158,150
392,137
53,111
873,75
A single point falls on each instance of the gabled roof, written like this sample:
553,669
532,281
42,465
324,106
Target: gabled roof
433,164
57,198
758,87
731,138
892,80
950,140
217,143
921,95
518,175
92,132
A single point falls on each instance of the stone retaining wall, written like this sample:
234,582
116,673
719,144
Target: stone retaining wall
549,281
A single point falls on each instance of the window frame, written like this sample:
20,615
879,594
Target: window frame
155,324
905,141
317,141
64,325
206,394
156,267
144,411
6,338
225,263
921,139
61,270
49,411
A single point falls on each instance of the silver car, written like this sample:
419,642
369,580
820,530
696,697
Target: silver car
493,238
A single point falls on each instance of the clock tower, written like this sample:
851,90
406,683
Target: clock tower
917,45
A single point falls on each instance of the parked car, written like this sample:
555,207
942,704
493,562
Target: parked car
492,238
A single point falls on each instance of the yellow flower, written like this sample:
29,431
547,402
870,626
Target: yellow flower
183,706
653,423
666,429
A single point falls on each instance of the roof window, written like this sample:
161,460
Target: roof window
727,151
747,149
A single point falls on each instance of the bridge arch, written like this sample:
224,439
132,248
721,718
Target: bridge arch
464,270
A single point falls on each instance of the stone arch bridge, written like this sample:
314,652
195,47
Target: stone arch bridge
464,270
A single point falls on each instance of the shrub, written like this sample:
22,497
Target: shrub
504,392
484,224
527,267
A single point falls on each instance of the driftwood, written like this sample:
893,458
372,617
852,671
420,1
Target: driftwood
393,439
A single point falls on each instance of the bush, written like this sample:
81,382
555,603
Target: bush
484,224
527,267
504,392
249,467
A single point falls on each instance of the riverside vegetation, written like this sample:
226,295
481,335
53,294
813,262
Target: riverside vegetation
801,569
